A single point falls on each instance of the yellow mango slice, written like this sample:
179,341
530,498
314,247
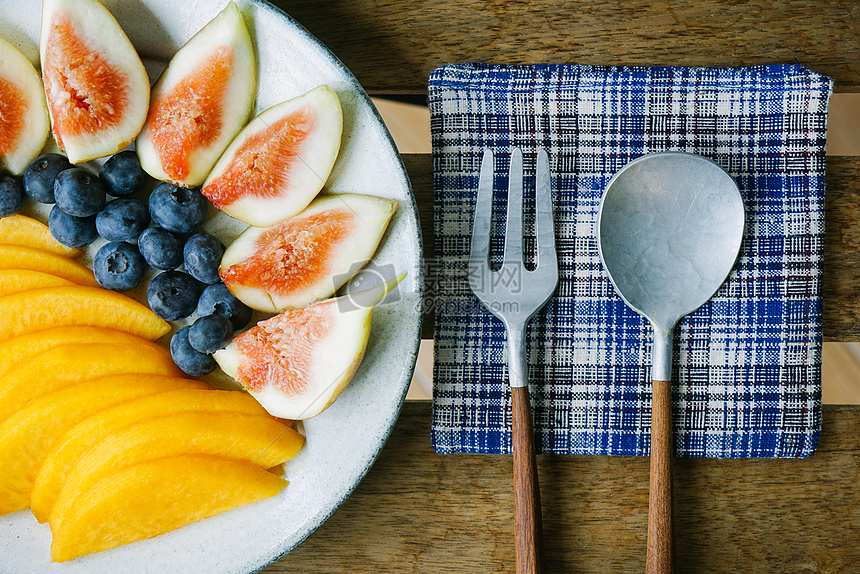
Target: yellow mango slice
18,257
154,497
40,309
17,280
29,232
254,439
72,363
79,439
18,349
27,436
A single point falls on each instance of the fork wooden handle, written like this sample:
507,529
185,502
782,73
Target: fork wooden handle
528,526
661,536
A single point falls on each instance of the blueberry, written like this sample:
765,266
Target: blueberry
177,209
187,358
172,295
122,174
11,195
40,174
202,257
210,333
72,231
118,266
122,219
218,299
160,248
79,193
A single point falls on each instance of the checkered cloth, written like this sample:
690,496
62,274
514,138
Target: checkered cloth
747,364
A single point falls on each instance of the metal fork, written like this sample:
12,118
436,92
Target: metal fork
514,294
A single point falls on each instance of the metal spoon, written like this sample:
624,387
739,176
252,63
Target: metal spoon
669,231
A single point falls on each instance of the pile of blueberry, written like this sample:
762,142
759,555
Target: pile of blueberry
219,316
82,213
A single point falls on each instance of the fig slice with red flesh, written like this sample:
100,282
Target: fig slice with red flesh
307,257
280,161
298,362
200,102
96,86
24,124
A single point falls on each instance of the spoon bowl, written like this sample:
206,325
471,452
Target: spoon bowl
669,231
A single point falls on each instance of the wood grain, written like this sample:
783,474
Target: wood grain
392,46
528,531
660,555
840,366
841,265
419,512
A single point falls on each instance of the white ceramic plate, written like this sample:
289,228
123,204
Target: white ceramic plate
343,441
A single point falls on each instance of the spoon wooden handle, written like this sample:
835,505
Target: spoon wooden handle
528,526
661,535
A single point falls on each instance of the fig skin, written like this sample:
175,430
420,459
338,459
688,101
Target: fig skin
305,357
301,268
334,363
225,35
280,161
97,30
18,74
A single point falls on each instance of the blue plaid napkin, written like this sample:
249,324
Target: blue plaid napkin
748,363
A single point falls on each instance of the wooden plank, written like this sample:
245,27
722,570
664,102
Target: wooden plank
417,511
841,268
391,46
409,124
840,363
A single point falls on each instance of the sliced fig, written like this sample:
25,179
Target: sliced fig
96,86
306,257
24,124
297,363
200,102
280,161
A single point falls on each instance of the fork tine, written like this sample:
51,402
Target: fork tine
480,245
544,228
514,225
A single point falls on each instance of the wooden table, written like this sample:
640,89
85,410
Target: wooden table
420,512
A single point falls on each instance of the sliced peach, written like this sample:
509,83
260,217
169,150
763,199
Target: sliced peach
65,365
18,349
158,496
28,232
39,309
254,439
26,436
17,280
80,438
17,257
